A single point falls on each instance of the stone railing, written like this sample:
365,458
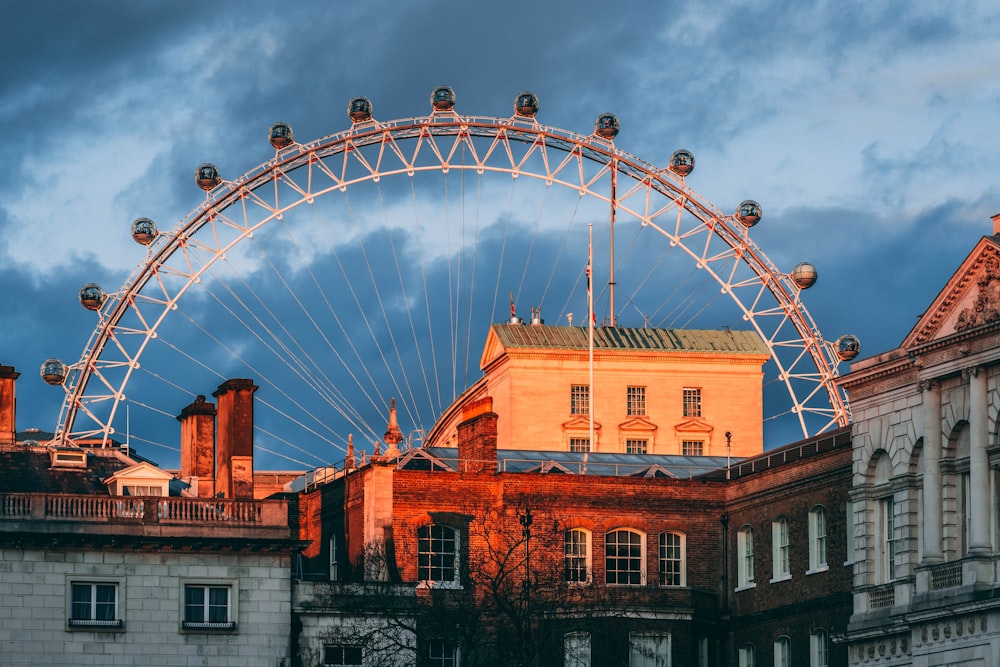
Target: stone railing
881,597
135,509
946,575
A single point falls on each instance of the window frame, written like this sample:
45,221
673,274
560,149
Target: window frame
633,444
817,540
344,657
450,654
627,573
231,587
579,445
431,554
688,445
783,651
681,560
819,648
745,576
586,556
691,402
660,649
92,623
747,656
885,542
781,564
577,649
635,401
579,399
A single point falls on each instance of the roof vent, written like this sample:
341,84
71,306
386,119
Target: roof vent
536,317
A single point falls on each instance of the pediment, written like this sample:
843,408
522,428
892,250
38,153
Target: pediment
579,423
140,472
637,424
970,298
493,348
693,425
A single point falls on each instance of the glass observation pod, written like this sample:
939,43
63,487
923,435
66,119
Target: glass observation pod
607,126
682,162
207,176
848,347
748,213
53,372
359,110
526,104
280,136
144,231
804,275
443,99
92,296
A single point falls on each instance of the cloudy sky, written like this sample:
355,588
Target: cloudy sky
867,130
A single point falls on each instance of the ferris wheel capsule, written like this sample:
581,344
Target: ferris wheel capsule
92,296
848,347
359,110
526,104
443,99
804,275
607,126
748,212
144,231
280,135
53,372
682,162
207,176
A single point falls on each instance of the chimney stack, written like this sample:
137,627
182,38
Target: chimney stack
198,446
996,223
234,438
8,404
477,437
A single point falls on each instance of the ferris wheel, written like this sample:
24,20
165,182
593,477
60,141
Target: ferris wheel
365,267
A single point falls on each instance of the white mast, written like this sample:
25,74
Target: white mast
590,338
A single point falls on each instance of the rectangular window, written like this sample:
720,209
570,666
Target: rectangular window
341,656
744,550
671,559
693,448
437,552
817,538
819,655
747,656
442,653
579,399
692,402
780,549
636,397
207,607
94,605
334,573
886,542
782,652
576,649
579,444
636,446
577,554
648,649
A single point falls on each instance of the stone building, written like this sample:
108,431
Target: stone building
924,494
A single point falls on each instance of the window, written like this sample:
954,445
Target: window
744,557
341,656
636,398
624,562
818,650
334,570
208,607
636,446
437,551
141,490
692,448
442,653
781,568
672,559
817,539
692,402
579,399
579,444
648,649
747,656
885,543
782,652
577,550
576,649
94,604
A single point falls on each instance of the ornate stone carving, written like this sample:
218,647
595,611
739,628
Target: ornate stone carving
986,307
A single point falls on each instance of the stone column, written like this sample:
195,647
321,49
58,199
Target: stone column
979,466
931,458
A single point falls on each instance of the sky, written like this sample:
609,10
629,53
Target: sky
867,131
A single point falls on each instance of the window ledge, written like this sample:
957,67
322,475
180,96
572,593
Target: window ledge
97,626
817,570
784,577
745,587
848,563
450,585
228,626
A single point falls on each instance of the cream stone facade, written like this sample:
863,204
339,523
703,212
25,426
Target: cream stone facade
665,391
924,497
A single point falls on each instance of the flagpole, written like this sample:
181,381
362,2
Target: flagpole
611,281
590,338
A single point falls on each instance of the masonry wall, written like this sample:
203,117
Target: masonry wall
35,585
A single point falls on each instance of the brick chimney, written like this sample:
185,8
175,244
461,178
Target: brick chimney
8,404
234,438
198,446
477,437
996,223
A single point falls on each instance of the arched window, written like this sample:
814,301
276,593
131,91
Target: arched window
817,539
624,561
782,652
577,555
818,649
576,649
672,559
744,557
437,554
780,561
747,656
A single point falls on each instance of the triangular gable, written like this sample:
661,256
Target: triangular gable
551,467
969,299
492,349
637,424
578,423
139,472
693,425
420,459
653,471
